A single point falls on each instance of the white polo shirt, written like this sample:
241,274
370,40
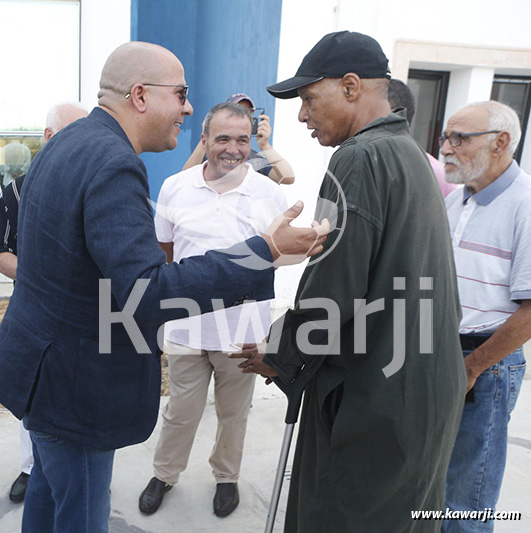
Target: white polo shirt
491,235
197,219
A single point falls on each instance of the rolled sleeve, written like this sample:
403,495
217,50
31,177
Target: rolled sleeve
520,281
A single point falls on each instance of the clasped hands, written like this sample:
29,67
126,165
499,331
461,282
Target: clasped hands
253,355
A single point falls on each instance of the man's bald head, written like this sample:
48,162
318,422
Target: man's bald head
131,63
143,88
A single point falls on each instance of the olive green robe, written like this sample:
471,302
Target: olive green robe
374,446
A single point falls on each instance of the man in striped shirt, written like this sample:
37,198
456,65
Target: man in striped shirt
58,117
490,224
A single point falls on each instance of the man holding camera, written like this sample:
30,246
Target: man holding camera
217,203
268,161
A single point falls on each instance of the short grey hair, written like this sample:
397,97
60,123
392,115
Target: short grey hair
502,118
233,110
54,119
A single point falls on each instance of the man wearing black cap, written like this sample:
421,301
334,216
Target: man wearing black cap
381,413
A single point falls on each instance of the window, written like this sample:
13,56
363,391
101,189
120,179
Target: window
40,66
515,92
429,88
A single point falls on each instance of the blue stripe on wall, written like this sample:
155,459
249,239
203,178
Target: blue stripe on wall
226,47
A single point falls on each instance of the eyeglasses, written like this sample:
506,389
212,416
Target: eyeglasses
455,138
183,95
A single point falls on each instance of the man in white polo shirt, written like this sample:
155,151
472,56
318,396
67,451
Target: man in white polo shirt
490,224
211,206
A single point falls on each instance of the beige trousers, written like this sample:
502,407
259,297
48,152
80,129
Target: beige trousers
190,371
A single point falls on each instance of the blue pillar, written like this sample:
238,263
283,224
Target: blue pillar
226,47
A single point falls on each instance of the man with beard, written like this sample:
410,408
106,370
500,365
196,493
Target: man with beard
490,224
381,413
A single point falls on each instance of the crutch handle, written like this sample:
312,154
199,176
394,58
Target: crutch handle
295,389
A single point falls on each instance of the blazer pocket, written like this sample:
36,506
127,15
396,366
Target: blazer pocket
108,387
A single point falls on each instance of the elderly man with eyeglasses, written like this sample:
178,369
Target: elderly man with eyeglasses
490,224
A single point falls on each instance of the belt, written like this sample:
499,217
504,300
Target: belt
471,342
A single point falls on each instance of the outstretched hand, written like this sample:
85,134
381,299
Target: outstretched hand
290,245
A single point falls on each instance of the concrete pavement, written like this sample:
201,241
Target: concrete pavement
187,508
6,288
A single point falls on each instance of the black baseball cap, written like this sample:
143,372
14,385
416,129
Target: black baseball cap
332,57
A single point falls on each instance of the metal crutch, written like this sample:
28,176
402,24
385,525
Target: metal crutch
294,392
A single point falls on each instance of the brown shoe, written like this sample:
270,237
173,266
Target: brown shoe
226,499
152,496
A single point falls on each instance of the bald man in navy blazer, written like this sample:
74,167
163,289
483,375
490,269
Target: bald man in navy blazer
79,382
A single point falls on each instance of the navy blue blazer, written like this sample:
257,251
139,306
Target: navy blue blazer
84,216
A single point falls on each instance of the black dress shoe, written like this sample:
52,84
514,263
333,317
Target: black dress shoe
18,489
226,499
152,496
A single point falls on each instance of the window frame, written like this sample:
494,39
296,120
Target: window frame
524,119
442,78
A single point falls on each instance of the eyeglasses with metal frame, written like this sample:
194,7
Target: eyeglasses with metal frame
183,95
456,138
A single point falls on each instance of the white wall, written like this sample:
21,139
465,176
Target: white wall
471,23
475,22
105,24
468,85
301,28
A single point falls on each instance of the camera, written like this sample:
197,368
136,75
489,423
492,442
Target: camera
256,120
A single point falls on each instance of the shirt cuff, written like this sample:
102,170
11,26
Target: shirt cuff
517,296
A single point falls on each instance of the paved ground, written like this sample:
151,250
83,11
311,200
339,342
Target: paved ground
6,288
188,507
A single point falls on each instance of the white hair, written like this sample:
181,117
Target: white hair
54,119
502,118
